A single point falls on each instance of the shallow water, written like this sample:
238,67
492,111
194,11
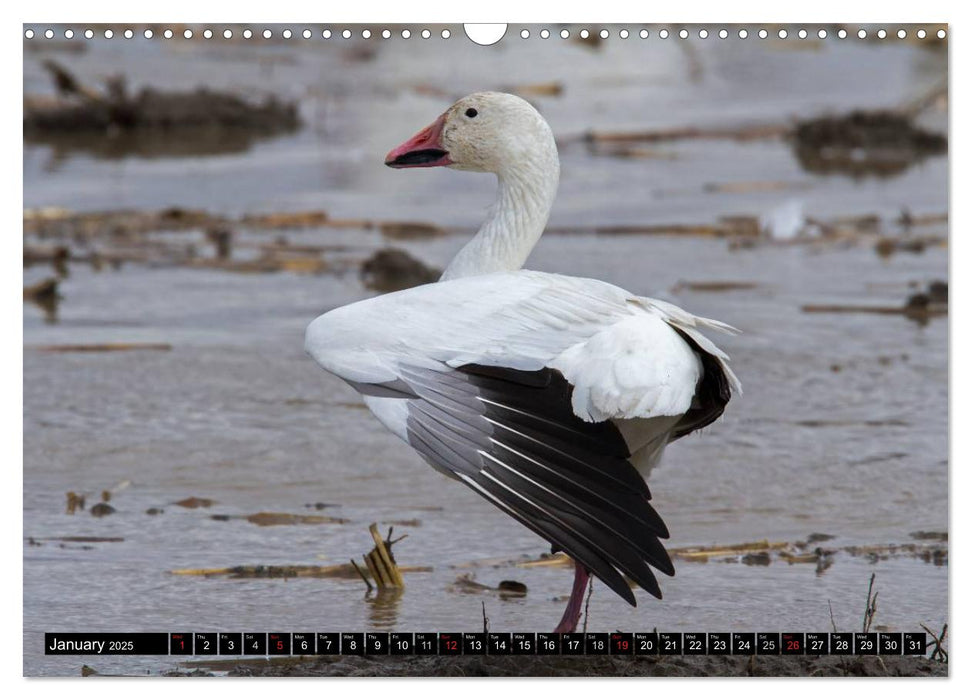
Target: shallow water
237,413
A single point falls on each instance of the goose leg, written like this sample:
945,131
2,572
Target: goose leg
571,616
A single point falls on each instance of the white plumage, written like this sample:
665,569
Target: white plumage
544,393
623,354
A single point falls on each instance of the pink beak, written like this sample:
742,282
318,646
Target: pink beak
423,150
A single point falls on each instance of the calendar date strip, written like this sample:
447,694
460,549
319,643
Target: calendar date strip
485,643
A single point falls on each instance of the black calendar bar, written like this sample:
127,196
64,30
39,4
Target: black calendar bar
377,644
621,643
181,643
304,643
279,644
352,643
254,643
817,643
427,643
572,643
230,643
102,644
402,644
719,643
328,643
645,643
548,643
486,644
793,643
524,643
206,643
695,643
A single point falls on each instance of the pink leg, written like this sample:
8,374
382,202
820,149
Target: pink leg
571,616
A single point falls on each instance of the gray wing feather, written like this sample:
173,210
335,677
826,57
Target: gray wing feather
512,436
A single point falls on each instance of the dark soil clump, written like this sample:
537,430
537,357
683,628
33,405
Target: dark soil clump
861,143
392,269
151,122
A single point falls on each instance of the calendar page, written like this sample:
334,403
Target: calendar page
508,350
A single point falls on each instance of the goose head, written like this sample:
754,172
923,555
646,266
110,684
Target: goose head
489,132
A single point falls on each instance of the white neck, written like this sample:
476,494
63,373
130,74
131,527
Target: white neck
505,240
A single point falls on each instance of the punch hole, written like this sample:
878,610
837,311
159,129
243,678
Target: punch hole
821,33
901,34
69,33
366,33
803,33
405,33
307,34
564,33
882,34
861,34
703,34
663,33
604,34
841,33
386,34
346,33
287,34
49,33
425,34
545,34
485,34
206,33
783,34
722,33
584,34
743,33
29,34
624,33
167,33
247,33
88,34
186,34
683,34
921,34
763,34
267,33
644,34
941,34
227,34
524,34
446,33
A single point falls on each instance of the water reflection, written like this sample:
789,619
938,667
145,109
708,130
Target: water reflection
383,607
115,122
879,143
45,296
183,143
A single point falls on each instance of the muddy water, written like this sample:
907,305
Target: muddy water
842,428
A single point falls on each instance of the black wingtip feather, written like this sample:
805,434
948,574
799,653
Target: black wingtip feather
569,481
712,394
573,461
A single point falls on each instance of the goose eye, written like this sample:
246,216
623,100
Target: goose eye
471,112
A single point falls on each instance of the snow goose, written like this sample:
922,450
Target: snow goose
550,396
